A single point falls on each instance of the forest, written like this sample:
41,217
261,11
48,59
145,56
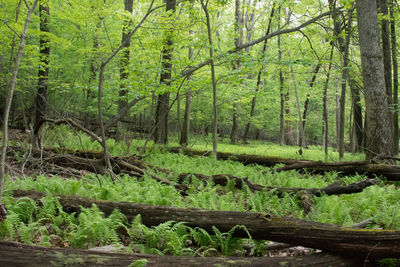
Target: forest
199,133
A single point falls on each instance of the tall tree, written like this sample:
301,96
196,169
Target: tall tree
213,79
385,38
357,111
379,138
162,109
395,79
11,87
43,73
236,66
124,67
325,121
184,138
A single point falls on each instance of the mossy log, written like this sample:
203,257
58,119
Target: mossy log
344,168
362,243
333,189
20,255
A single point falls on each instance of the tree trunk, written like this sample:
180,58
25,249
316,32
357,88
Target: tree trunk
387,66
43,74
184,138
379,139
124,67
236,66
9,97
395,80
325,121
357,112
162,110
345,57
300,129
17,254
213,79
358,243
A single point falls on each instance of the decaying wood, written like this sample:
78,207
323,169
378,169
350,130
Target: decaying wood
93,162
364,243
333,189
344,168
17,254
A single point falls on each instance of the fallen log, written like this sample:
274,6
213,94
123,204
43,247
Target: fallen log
333,189
91,161
371,170
17,254
361,243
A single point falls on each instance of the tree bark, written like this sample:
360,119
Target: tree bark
357,112
325,122
184,138
236,67
379,138
371,244
213,80
43,74
17,254
345,73
387,66
395,80
124,67
162,110
10,93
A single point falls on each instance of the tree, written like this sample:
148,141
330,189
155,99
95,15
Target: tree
213,80
9,97
43,73
395,80
379,137
124,68
162,110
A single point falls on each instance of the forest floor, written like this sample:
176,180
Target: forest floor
69,165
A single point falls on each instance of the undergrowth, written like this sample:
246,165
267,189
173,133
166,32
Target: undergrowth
48,225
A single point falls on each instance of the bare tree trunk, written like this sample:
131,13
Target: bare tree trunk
325,124
213,80
43,74
124,68
10,93
162,110
395,80
379,139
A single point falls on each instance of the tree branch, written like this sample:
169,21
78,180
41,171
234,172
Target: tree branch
191,70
